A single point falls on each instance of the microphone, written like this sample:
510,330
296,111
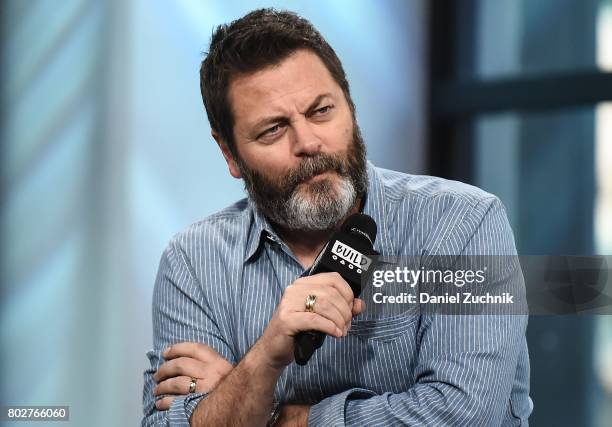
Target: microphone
348,253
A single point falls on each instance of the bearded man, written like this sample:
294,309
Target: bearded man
231,290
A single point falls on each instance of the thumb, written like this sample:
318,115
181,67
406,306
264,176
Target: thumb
358,306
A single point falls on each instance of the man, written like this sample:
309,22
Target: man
231,290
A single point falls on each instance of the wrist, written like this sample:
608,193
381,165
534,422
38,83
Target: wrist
260,356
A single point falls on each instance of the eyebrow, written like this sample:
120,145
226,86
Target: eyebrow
274,119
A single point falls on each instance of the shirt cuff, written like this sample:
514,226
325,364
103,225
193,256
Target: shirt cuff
330,411
181,409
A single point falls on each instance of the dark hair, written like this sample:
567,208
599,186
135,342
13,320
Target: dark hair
262,38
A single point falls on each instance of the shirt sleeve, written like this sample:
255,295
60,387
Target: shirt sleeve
180,313
465,364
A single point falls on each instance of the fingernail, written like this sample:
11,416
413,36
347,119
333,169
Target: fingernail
338,332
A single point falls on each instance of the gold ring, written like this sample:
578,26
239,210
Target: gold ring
310,302
192,385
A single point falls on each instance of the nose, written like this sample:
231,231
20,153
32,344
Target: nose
305,140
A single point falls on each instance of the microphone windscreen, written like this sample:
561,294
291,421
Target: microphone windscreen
361,223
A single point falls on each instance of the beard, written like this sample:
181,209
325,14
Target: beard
291,202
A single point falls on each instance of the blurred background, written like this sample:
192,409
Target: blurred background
106,153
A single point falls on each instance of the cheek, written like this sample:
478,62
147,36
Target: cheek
270,160
344,136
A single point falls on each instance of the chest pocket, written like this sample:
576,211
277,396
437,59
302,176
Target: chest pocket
379,353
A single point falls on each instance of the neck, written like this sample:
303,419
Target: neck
306,244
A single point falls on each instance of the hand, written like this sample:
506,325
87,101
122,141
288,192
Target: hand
333,310
185,361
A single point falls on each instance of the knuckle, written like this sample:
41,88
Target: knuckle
283,314
179,369
322,303
289,291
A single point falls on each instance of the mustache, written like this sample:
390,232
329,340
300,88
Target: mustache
313,166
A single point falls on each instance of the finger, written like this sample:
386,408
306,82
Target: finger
341,305
195,350
339,302
358,307
176,385
164,403
325,306
329,279
180,385
342,286
180,366
304,321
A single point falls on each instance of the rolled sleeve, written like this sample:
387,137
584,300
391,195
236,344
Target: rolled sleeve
181,409
331,411
181,313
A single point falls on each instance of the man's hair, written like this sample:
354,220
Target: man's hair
262,38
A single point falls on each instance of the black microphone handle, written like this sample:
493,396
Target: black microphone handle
306,343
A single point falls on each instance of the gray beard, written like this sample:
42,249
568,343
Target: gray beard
319,206
327,209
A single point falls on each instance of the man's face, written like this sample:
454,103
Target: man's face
299,150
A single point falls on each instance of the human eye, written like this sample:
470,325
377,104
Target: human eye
272,132
322,111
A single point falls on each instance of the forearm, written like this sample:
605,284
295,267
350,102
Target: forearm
436,403
244,397
462,384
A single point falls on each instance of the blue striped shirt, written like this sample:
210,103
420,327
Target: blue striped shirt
220,280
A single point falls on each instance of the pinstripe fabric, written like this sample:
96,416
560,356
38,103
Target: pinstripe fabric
220,280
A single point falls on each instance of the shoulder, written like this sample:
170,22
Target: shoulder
212,240
223,225
399,186
428,213
434,198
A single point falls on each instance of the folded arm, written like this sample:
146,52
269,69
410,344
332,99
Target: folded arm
180,313
466,364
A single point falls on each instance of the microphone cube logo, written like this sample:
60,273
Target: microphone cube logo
347,254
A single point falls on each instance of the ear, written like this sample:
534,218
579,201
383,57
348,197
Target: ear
227,155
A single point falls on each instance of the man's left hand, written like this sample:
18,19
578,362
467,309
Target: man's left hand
185,361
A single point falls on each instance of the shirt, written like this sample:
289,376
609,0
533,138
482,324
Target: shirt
220,280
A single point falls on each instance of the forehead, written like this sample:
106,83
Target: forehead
294,82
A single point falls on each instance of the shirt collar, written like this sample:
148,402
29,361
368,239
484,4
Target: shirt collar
375,206
260,230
